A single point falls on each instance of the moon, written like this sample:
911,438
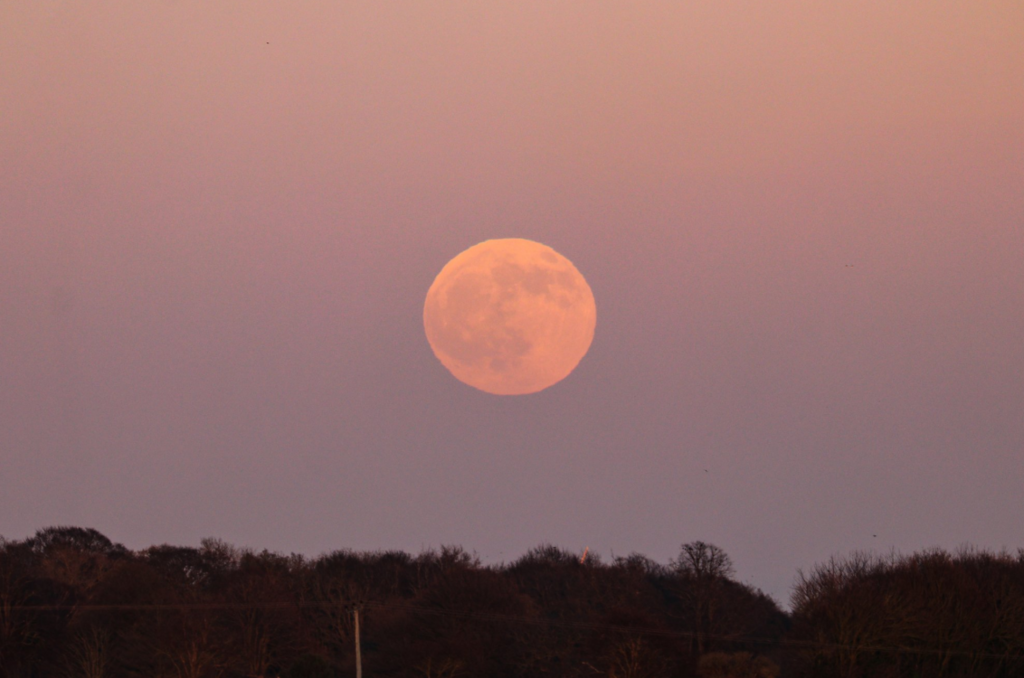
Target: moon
510,316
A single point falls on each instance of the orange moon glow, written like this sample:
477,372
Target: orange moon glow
510,316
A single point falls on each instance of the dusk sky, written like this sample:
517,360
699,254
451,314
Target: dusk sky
802,222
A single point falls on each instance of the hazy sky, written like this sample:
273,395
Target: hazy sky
803,224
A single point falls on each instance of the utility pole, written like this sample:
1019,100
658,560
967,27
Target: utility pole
359,656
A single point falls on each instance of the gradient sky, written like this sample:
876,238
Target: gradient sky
803,223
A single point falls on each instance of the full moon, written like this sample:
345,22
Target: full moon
510,316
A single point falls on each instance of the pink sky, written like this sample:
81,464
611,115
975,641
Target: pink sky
803,224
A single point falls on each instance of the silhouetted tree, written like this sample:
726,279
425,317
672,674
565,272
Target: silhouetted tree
703,570
930,613
74,603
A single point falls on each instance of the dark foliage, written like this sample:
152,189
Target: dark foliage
929,614
72,603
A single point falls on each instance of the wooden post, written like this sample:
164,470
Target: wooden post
359,656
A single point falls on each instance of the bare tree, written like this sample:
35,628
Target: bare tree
839,614
633,658
89,654
703,569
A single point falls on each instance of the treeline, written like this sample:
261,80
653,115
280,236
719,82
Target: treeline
72,603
